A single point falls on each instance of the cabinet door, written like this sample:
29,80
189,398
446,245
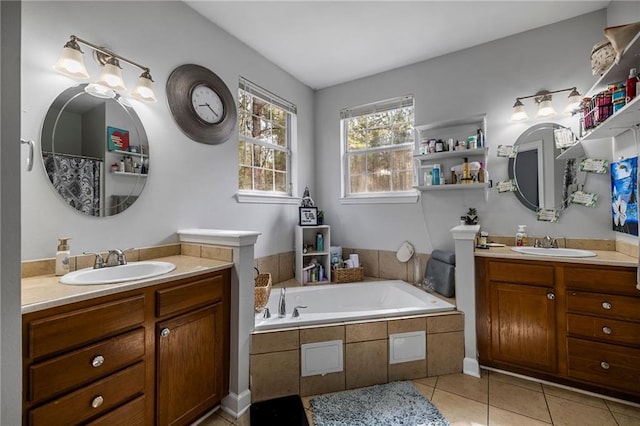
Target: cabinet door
190,365
523,326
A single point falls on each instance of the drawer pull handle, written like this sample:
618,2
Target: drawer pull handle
606,305
165,332
607,330
97,401
97,361
604,365
551,296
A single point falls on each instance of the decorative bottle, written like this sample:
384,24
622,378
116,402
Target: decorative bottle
631,85
62,256
521,236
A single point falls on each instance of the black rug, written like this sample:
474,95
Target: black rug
283,411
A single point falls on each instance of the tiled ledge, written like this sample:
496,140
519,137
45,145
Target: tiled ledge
34,268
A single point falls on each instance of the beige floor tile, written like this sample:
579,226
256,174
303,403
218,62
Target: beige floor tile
570,413
626,409
458,410
427,391
427,381
215,419
517,381
244,420
500,417
465,385
624,420
518,400
310,417
574,396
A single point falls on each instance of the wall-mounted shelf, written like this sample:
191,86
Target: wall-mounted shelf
452,154
620,71
133,154
129,174
454,186
627,117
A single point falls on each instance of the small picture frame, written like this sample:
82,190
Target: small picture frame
308,216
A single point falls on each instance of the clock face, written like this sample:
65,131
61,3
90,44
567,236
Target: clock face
207,104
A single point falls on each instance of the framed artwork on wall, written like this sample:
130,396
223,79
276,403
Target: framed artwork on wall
308,216
118,139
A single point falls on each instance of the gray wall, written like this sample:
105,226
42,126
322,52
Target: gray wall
10,318
482,79
190,184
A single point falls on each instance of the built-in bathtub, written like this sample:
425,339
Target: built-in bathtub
332,303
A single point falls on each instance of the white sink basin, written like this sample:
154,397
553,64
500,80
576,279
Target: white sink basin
554,252
115,274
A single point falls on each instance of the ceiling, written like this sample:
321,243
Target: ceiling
324,43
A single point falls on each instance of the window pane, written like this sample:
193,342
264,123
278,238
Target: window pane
279,136
357,163
379,162
280,182
279,117
358,183
402,181
401,160
356,134
262,157
280,161
244,152
380,137
379,182
263,180
245,180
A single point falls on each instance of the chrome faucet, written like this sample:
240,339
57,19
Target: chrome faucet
547,242
98,262
119,255
282,304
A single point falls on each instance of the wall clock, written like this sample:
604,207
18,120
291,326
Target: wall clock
201,104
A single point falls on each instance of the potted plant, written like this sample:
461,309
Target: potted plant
471,217
321,217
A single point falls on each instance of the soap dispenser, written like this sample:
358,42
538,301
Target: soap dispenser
62,256
521,236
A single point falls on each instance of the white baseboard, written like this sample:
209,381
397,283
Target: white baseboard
471,367
235,404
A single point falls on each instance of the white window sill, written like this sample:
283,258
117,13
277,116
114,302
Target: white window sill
244,197
404,198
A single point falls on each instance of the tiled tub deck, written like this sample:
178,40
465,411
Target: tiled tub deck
276,364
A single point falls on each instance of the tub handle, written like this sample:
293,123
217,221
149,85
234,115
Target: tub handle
295,313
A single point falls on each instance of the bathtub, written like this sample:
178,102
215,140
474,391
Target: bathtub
337,303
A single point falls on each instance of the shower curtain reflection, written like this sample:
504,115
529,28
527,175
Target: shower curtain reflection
76,179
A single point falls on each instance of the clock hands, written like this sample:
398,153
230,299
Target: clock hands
212,110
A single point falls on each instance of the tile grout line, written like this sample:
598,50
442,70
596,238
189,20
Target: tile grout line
546,402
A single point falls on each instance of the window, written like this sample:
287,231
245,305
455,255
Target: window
377,147
265,124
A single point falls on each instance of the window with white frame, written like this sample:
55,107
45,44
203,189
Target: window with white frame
377,148
265,124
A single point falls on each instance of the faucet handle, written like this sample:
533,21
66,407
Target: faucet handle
98,262
295,313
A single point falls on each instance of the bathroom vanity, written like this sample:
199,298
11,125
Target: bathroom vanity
566,320
146,352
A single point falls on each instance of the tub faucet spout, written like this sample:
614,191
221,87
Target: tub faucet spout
282,304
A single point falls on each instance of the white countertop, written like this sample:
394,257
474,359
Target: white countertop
45,291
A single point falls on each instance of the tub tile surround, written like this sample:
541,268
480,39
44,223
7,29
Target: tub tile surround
366,354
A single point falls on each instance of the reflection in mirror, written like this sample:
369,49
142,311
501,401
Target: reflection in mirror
95,152
545,176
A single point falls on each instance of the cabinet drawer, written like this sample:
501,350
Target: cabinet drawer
130,414
604,329
189,295
84,365
612,366
92,400
523,273
618,280
604,305
72,329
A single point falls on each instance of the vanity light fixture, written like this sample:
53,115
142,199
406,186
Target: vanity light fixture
71,64
545,105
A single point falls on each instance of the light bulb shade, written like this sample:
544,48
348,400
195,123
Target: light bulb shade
99,91
545,108
71,62
144,88
573,102
518,113
112,75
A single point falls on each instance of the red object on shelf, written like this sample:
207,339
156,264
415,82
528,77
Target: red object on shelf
631,85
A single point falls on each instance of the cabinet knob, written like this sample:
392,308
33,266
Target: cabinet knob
97,401
551,296
606,305
604,365
97,361
165,332
607,330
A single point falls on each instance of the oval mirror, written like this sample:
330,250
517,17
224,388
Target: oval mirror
546,175
95,151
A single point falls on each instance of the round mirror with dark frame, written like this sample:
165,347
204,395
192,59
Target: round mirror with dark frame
95,151
545,176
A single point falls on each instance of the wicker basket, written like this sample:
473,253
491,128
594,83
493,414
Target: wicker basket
347,275
262,291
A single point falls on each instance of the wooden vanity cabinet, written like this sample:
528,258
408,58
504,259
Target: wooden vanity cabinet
570,323
105,361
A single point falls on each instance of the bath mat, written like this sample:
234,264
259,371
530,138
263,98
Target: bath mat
283,411
391,404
